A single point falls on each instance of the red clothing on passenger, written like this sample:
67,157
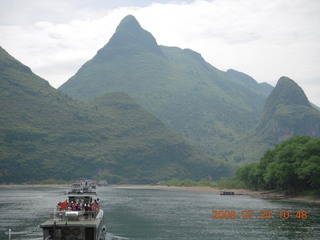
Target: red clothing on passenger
64,205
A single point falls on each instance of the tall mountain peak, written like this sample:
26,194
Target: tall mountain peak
288,91
288,113
285,93
129,39
130,23
37,120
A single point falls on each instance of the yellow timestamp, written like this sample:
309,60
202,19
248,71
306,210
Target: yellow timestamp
263,214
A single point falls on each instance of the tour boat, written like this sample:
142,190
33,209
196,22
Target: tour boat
78,218
84,186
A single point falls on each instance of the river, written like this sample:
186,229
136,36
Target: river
166,214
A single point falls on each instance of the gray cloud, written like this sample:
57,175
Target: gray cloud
265,39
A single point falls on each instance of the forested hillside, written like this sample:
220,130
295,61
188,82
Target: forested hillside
287,113
208,107
45,134
137,99
294,165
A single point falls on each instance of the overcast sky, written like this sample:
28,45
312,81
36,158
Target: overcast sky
264,39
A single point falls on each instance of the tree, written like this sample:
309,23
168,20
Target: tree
291,166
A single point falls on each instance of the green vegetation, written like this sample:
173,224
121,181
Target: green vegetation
44,134
52,181
220,184
216,111
287,113
208,107
189,183
292,166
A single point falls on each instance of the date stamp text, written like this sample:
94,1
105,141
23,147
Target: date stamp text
263,214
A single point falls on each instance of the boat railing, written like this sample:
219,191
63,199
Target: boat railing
73,215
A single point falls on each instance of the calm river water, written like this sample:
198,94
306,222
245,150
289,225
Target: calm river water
165,214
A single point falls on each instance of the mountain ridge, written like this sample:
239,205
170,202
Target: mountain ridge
288,113
214,110
226,114
46,134
174,85
129,39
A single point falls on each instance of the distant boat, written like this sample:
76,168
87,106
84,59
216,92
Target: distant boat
226,193
229,193
84,186
102,183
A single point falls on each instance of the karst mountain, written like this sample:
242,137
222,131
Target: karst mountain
45,134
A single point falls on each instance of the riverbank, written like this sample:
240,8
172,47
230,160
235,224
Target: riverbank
257,194
33,185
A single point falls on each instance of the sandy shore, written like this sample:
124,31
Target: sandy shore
258,194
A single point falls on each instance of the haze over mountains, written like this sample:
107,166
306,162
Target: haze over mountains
45,134
205,105
210,108
122,115
288,113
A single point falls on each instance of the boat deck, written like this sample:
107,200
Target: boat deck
74,218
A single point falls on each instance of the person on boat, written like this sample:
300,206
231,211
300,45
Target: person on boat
78,206
86,207
93,206
74,207
97,204
59,206
62,205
